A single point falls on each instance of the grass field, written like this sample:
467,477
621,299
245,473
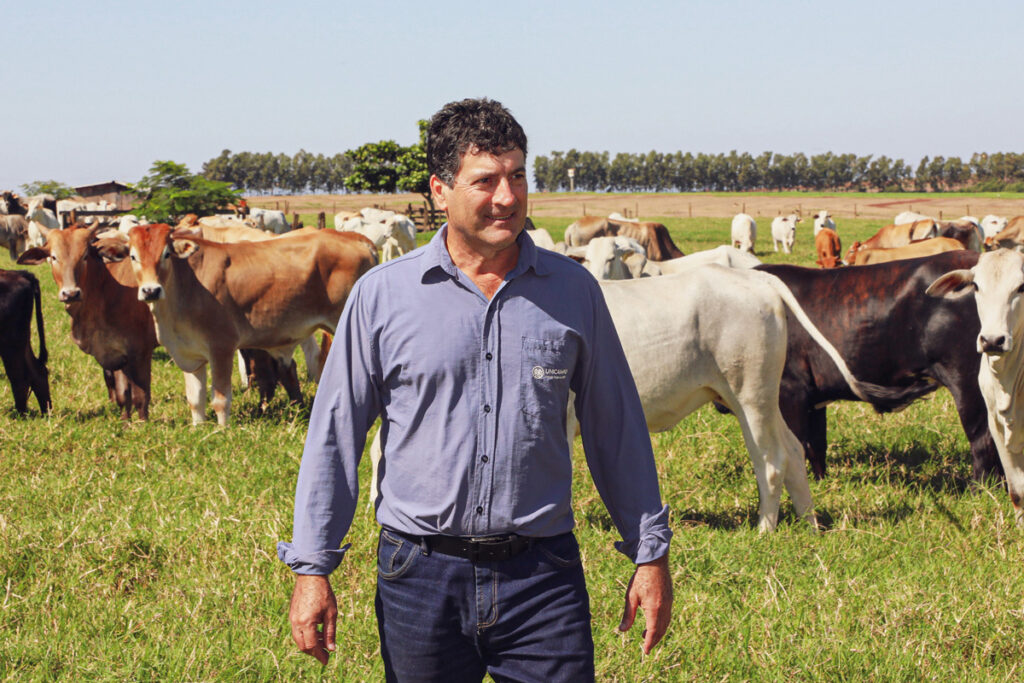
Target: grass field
146,551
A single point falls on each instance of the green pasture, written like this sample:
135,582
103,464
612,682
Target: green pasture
146,551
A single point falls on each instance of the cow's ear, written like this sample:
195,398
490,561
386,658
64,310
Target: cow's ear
111,249
34,256
183,248
952,285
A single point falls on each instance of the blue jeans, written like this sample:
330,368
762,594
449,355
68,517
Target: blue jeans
444,618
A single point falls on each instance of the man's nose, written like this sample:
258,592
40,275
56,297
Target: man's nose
503,192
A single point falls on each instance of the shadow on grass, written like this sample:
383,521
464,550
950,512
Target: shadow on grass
911,467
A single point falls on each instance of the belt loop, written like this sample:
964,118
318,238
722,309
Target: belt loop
424,546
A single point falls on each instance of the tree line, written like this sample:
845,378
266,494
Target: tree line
685,172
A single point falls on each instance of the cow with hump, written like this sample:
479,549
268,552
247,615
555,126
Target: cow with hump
891,334
19,296
996,282
108,322
210,299
719,334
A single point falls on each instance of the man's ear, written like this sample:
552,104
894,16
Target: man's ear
437,188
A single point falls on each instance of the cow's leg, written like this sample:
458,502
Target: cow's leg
817,440
108,379
123,391
311,352
17,376
970,406
39,379
766,456
288,372
243,370
139,376
220,381
195,393
795,475
1013,466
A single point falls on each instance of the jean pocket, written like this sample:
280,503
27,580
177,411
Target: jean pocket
546,365
395,555
561,551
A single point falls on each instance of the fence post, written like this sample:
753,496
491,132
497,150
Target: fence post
854,210
689,210
295,221
940,214
321,221
584,209
637,210
968,210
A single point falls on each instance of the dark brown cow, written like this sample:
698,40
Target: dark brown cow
19,293
890,333
108,321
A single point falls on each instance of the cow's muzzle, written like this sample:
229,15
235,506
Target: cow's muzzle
151,293
995,345
70,294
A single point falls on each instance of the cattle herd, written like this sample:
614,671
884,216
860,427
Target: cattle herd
938,307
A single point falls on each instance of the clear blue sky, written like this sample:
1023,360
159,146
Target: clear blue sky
98,91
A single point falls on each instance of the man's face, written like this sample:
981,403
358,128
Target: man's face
486,203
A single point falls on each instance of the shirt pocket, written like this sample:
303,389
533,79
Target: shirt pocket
544,381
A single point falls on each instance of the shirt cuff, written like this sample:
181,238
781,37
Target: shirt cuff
653,542
320,563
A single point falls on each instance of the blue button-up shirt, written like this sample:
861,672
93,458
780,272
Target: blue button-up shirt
473,396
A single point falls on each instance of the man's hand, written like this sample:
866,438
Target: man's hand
313,604
651,589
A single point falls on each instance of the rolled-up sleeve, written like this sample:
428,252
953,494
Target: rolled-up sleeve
617,443
346,404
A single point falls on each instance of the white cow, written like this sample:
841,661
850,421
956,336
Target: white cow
993,225
910,217
270,220
38,216
719,334
744,232
542,238
784,232
393,233
615,258
724,255
823,219
997,282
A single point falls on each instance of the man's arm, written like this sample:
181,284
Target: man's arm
650,589
313,605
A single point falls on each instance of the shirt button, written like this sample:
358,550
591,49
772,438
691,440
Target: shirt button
483,458
489,356
479,510
487,409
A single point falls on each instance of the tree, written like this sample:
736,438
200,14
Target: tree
413,175
171,191
57,189
375,168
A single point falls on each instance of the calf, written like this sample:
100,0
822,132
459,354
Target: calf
784,232
1010,237
890,334
829,248
108,321
744,232
996,282
19,293
822,220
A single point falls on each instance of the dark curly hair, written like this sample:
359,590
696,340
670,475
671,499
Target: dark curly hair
472,123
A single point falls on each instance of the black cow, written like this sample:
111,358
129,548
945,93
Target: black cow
890,333
19,291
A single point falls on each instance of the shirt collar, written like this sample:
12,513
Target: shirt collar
436,256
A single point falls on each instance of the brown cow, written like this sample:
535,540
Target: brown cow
895,235
13,233
1010,237
210,299
654,237
108,321
935,245
829,248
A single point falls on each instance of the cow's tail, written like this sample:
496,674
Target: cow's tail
43,355
884,399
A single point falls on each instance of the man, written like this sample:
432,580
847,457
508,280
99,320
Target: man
468,349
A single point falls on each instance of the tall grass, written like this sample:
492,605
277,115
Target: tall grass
145,551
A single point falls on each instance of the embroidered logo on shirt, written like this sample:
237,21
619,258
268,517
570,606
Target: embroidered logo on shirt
549,373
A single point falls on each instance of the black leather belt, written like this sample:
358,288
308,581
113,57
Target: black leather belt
474,549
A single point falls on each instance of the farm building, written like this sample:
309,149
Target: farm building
113,192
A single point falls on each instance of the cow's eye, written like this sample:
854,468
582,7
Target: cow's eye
1020,289
973,285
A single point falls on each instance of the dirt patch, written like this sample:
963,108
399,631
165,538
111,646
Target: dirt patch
649,206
